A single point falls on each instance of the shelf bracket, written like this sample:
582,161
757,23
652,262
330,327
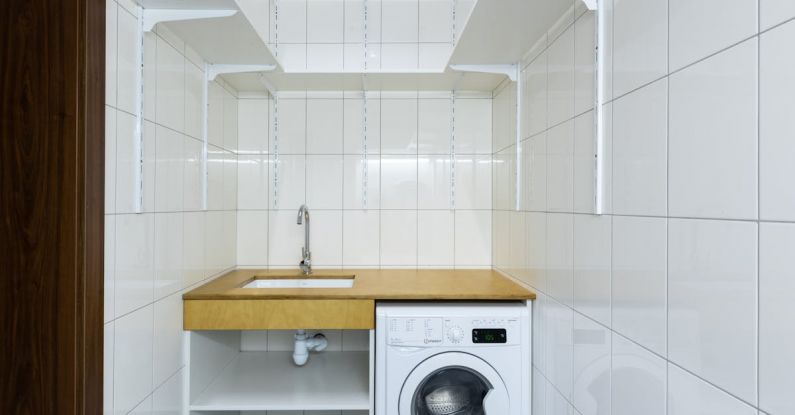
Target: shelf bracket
591,4
151,17
213,70
510,70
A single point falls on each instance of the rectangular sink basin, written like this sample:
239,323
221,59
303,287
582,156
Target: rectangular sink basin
277,282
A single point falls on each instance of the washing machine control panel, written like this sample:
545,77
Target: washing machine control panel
458,331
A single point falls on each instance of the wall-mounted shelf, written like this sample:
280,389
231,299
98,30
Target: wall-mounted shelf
348,81
501,32
269,381
220,38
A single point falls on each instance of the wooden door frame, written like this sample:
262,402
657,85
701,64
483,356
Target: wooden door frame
52,156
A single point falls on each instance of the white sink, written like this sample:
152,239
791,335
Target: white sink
301,283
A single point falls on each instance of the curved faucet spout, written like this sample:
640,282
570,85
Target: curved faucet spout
306,254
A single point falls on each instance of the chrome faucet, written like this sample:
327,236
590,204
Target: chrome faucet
306,254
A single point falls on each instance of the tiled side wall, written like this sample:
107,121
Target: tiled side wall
403,212
676,300
152,257
330,35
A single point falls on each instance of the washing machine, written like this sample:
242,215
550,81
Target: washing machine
453,358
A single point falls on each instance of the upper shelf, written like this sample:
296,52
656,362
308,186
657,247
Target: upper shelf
349,81
227,40
501,32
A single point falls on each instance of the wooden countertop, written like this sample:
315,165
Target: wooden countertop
371,284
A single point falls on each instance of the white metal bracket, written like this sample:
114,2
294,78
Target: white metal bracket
591,4
213,70
510,70
151,17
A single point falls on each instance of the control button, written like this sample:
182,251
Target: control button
455,334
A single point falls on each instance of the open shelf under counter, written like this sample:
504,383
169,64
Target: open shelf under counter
259,381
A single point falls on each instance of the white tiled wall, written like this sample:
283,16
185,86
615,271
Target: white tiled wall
674,301
152,257
391,206
333,35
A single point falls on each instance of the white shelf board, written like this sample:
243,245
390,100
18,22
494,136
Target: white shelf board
501,32
357,81
262,381
231,40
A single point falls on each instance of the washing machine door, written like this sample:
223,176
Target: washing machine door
454,383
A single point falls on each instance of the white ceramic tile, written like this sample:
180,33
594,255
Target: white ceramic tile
150,75
396,57
214,242
776,313
253,183
433,182
215,178
192,195
591,382
398,182
561,78
126,159
361,189
167,399
640,45
560,257
729,22
584,168
776,124
688,394
215,114
132,359
285,238
324,184
435,21
230,238
535,97
194,116
560,168
326,238
126,50
435,237
134,262
193,248
109,268
360,237
584,55
168,253
539,392
638,380
324,21
292,21
322,57
472,238
107,367
110,159
143,408
433,56
713,136
534,169
111,51
167,338
292,127
560,344
169,166
535,237
354,113
639,280
516,243
773,12
500,229
592,266
170,87
712,294
400,20
252,238
230,181
253,120
290,189
472,182
398,237
640,146
503,181
473,126
171,38
324,126
230,121
292,56
434,132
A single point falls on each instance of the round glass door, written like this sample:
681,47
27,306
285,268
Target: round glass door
454,384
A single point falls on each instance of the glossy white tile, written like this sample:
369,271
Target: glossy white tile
134,262
324,181
170,87
434,180
354,126
289,191
535,96
360,238
325,238
638,380
560,257
434,126
108,346
324,21
712,310
167,399
398,182
560,78
560,346
324,126
584,167
252,238
713,137
401,21
688,394
560,168
285,238
435,237
584,55
640,43
168,253
592,374
592,266
169,166
398,237
193,249
167,346
253,119
132,359
291,119
773,12
253,182
472,182
472,246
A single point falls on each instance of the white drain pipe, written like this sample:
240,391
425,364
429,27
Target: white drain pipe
304,344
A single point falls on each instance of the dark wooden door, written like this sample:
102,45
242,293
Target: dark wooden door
52,57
